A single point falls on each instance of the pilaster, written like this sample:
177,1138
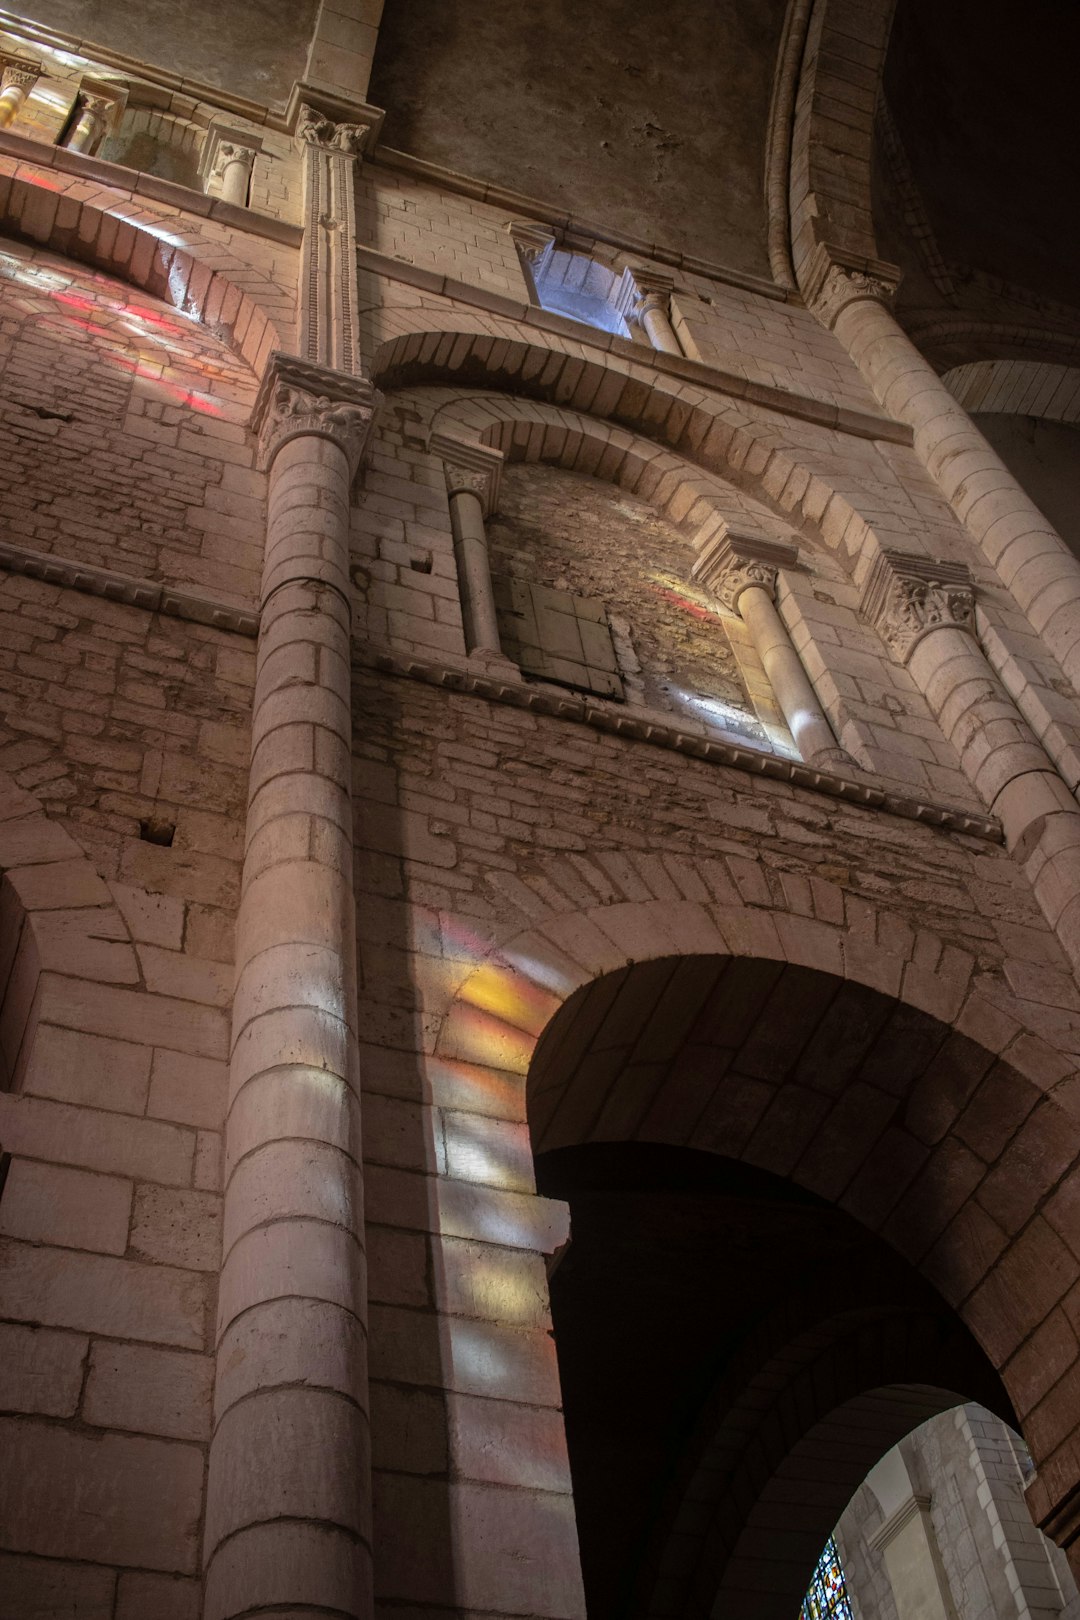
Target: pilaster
332,134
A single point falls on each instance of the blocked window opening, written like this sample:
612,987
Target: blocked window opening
555,636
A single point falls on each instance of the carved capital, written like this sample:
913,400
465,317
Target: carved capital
642,291
533,242
908,596
223,145
95,107
228,152
299,400
470,465
731,563
316,128
18,73
836,280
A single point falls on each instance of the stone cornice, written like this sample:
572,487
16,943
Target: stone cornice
135,183
586,233
171,88
908,596
297,398
469,676
619,720
731,563
470,465
148,594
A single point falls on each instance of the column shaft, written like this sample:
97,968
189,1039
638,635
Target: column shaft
1009,769
658,327
86,131
474,571
790,683
1029,555
12,98
236,177
288,1505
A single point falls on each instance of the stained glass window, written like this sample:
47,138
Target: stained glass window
827,1598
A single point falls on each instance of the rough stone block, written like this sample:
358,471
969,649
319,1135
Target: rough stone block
44,1589
152,1391
177,1228
100,1294
76,1068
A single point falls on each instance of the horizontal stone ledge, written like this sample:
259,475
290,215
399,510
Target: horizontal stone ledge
173,90
644,727
549,214
137,183
148,594
860,424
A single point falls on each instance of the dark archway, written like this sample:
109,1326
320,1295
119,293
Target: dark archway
763,1167
735,1355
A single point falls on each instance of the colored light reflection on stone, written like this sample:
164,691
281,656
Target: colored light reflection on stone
158,333
510,997
482,1037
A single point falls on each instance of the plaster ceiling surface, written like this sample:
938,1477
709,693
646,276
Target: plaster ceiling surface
647,116
983,95
252,48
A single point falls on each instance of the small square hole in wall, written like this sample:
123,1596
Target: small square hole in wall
421,564
157,831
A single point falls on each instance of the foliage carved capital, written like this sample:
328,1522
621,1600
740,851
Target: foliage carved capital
908,596
298,399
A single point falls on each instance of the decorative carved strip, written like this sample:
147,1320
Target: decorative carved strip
329,292
617,719
147,594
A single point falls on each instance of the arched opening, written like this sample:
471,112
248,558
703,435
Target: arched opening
736,1354
763,1169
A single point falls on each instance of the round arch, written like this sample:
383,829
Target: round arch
56,913
886,1117
1036,388
773,1353
710,432
162,265
912,1099
830,168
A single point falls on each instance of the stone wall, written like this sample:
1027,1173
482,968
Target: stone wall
524,855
